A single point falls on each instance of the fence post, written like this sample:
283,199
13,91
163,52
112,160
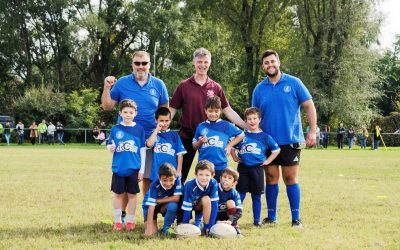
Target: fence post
85,136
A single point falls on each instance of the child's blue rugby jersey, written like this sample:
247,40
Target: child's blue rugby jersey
232,194
157,191
253,147
128,142
194,192
166,149
219,133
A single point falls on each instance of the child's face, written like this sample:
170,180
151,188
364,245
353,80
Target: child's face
213,114
167,181
227,181
203,177
127,114
164,121
253,122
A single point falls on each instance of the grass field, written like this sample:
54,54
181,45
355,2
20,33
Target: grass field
58,197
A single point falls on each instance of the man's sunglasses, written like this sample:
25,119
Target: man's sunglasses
140,63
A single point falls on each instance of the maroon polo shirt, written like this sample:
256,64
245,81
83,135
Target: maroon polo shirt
191,98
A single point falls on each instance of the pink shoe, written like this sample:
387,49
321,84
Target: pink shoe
130,226
117,226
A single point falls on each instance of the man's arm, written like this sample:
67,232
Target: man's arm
173,112
166,105
234,117
311,113
106,102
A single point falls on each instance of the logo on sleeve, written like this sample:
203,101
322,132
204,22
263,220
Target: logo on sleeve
210,93
119,135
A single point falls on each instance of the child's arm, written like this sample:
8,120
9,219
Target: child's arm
150,229
179,167
271,157
153,137
142,163
234,155
174,198
111,147
199,142
233,142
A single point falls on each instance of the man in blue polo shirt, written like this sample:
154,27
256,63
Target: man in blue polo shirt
279,97
147,91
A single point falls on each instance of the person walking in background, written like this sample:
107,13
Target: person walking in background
20,131
363,137
377,136
60,133
325,136
340,135
42,128
50,133
7,132
350,137
33,132
318,134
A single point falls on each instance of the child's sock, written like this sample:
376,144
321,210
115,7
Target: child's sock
170,215
198,216
256,198
117,215
271,195
293,193
130,218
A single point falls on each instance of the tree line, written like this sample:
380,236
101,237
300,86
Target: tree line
54,54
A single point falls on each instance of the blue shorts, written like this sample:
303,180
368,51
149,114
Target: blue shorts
125,184
251,179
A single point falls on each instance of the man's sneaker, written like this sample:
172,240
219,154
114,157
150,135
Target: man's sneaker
269,222
130,226
297,224
257,224
169,232
118,226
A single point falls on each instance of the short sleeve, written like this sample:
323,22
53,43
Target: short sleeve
176,101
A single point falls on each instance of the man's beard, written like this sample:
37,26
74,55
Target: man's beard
272,74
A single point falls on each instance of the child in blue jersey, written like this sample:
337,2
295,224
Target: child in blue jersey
252,160
230,203
127,143
162,197
215,137
201,194
167,145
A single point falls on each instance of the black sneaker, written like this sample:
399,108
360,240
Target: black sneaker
297,224
269,222
257,224
239,233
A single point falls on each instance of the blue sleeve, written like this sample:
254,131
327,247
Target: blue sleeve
214,212
187,204
178,187
302,92
234,131
237,200
254,99
111,137
152,197
214,191
115,92
197,133
164,98
180,149
272,144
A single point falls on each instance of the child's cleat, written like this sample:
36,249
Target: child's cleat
130,226
297,224
118,226
169,232
198,224
257,224
268,222
239,233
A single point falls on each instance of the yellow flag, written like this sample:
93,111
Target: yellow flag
377,131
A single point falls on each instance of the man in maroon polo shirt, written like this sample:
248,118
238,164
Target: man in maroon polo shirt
190,96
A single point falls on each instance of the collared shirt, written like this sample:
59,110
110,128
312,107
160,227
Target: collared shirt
280,107
147,97
157,191
194,192
231,194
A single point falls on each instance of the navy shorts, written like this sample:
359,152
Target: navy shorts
148,163
288,156
251,179
125,184
156,212
218,174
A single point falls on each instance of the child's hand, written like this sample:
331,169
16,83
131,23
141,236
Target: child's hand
112,147
159,126
235,158
203,139
265,163
140,177
228,150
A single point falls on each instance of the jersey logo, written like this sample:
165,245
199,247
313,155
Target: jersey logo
153,92
204,132
287,89
165,148
250,148
127,146
213,141
296,158
210,93
119,135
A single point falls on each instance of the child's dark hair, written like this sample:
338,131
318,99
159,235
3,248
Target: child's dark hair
251,111
166,169
213,102
127,103
204,165
232,172
163,111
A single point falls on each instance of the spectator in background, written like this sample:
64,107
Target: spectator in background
363,137
60,132
377,136
350,137
42,128
50,133
340,135
20,131
1,131
33,132
318,134
325,136
7,132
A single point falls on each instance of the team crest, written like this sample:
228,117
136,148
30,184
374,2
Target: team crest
153,92
210,93
287,89
119,135
204,132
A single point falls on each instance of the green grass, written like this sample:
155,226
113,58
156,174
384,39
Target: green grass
56,197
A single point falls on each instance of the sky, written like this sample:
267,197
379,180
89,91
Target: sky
391,25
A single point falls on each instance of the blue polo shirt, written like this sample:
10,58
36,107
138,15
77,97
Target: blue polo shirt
128,142
253,147
157,191
231,194
148,98
194,192
280,108
218,133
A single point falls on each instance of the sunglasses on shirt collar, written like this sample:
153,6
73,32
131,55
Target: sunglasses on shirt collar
140,63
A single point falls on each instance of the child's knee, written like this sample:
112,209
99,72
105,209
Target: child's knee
206,200
172,206
230,204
